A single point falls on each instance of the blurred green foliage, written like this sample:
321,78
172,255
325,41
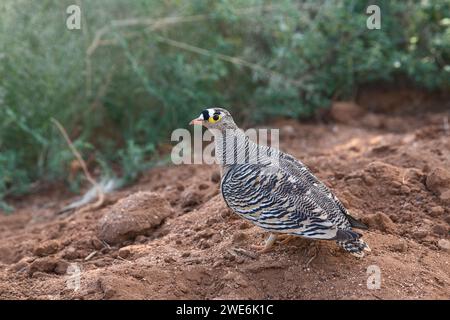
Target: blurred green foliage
120,97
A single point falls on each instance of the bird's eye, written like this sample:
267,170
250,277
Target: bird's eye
215,118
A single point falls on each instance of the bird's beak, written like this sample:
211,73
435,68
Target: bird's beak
196,121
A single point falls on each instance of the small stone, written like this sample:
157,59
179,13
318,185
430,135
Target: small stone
169,259
399,247
239,237
100,263
185,254
46,248
61,267
124,253
396,184
19,266
206,234
46,264
96,244
105,250
405,189
437,211
203,186
445,197
190,199
393,217
444,244
440,229
244,225
71,253
380,221
420,234
215,177
141,239
438,181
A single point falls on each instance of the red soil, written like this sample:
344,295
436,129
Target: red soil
389,171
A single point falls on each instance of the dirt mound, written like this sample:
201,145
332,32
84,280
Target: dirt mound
438,181
135,215
171,235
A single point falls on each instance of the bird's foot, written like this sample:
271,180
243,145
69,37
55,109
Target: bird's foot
268,246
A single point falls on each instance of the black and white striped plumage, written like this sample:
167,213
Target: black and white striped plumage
289,200
283,196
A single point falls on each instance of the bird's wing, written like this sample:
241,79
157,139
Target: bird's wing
299,170
302,172
276,200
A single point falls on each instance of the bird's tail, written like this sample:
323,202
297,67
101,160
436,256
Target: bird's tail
355,247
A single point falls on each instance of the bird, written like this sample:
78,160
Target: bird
275,191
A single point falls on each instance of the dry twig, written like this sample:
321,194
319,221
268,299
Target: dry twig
99,190
155,24
90,255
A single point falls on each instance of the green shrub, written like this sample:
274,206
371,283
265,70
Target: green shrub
261,58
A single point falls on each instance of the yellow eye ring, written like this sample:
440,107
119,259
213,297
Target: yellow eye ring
214,118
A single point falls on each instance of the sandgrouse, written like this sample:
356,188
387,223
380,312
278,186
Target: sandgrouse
275,191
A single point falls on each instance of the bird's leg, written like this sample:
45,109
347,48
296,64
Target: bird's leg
313,248
268,245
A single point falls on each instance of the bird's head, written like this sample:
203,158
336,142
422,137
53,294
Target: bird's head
215,118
